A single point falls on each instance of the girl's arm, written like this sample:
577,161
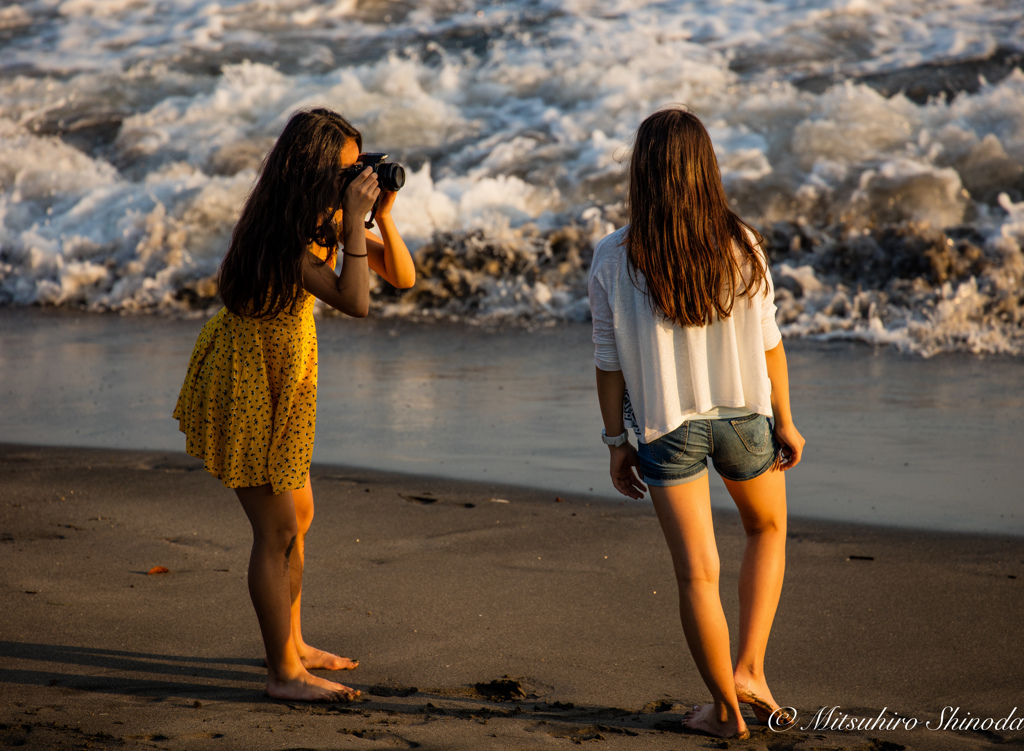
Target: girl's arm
390,258
611,388
785,431
348,291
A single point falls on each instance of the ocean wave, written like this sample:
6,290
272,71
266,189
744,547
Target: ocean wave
920,290
878,146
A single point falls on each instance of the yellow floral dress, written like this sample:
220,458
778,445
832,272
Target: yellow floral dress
248,404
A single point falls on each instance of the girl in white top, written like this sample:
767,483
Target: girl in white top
688,353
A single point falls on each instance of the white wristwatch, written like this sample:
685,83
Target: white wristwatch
616,440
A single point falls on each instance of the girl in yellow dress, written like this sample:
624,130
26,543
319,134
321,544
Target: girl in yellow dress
248,405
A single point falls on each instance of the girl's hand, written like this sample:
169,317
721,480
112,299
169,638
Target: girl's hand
792,446
359,196
387,200
625,471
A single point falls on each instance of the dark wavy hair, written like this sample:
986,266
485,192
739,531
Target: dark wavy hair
682,233
289,207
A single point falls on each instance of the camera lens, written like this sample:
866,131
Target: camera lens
390,177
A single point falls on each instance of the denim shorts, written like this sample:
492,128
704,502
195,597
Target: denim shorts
741,447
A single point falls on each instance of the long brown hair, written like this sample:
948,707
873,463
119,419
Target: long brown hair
288,208
681,230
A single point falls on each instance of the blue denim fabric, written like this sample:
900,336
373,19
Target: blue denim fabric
741,448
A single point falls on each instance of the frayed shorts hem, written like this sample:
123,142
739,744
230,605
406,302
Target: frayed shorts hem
668,482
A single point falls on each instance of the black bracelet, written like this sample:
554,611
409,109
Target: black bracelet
354,255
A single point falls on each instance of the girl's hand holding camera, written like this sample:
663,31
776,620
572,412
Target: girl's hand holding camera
386,253
348,291
359,198
387,200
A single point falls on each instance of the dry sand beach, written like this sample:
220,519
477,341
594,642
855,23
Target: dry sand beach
485,616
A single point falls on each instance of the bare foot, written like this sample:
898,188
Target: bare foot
704,719
760,698
317,659
308,687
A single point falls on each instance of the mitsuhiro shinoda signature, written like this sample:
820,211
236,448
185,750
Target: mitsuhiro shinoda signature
834,718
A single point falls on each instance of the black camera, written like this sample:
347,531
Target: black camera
390,176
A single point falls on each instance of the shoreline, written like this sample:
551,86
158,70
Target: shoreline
893,440
494,325
485,616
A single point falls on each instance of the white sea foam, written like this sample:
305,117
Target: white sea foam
130,134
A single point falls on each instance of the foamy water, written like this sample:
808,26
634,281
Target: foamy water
131,132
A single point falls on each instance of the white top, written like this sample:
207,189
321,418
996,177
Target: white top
673,373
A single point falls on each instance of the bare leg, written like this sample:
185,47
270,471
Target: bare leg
762,506
685,515
274,531
311,657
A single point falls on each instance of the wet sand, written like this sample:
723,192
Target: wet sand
485,616
892,439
